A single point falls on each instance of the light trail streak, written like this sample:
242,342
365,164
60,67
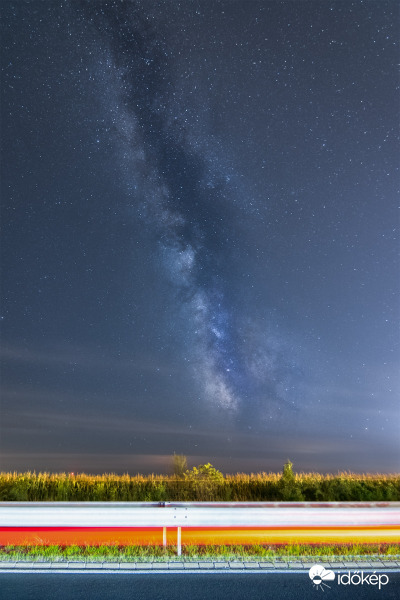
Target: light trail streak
139,536
95,523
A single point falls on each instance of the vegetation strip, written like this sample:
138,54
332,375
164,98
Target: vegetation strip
203,483
120,554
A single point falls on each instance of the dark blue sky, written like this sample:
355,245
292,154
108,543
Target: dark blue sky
200,235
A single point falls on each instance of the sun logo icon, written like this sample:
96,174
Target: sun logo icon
318,575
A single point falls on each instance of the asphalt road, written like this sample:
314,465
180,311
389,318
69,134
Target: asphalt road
183,586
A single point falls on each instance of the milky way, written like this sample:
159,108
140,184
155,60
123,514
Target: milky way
180,188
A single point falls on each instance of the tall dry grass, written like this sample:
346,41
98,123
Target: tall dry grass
345,486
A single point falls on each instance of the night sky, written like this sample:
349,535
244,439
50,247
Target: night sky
199,235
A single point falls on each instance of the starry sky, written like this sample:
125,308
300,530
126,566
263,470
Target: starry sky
199,235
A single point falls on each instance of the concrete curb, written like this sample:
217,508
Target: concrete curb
293,565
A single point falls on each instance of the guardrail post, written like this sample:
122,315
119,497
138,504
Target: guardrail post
179,541
164,537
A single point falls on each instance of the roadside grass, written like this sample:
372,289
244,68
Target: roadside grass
159,554
287,486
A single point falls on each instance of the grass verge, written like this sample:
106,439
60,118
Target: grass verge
195,553
200,486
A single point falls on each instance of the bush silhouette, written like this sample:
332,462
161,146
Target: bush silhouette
289,488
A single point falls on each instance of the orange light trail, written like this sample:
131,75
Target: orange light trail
143,536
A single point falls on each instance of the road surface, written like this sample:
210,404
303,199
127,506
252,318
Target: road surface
188,586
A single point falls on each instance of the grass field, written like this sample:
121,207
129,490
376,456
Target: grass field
31,486
157,553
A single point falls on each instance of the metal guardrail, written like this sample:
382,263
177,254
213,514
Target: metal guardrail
378,517
130,514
